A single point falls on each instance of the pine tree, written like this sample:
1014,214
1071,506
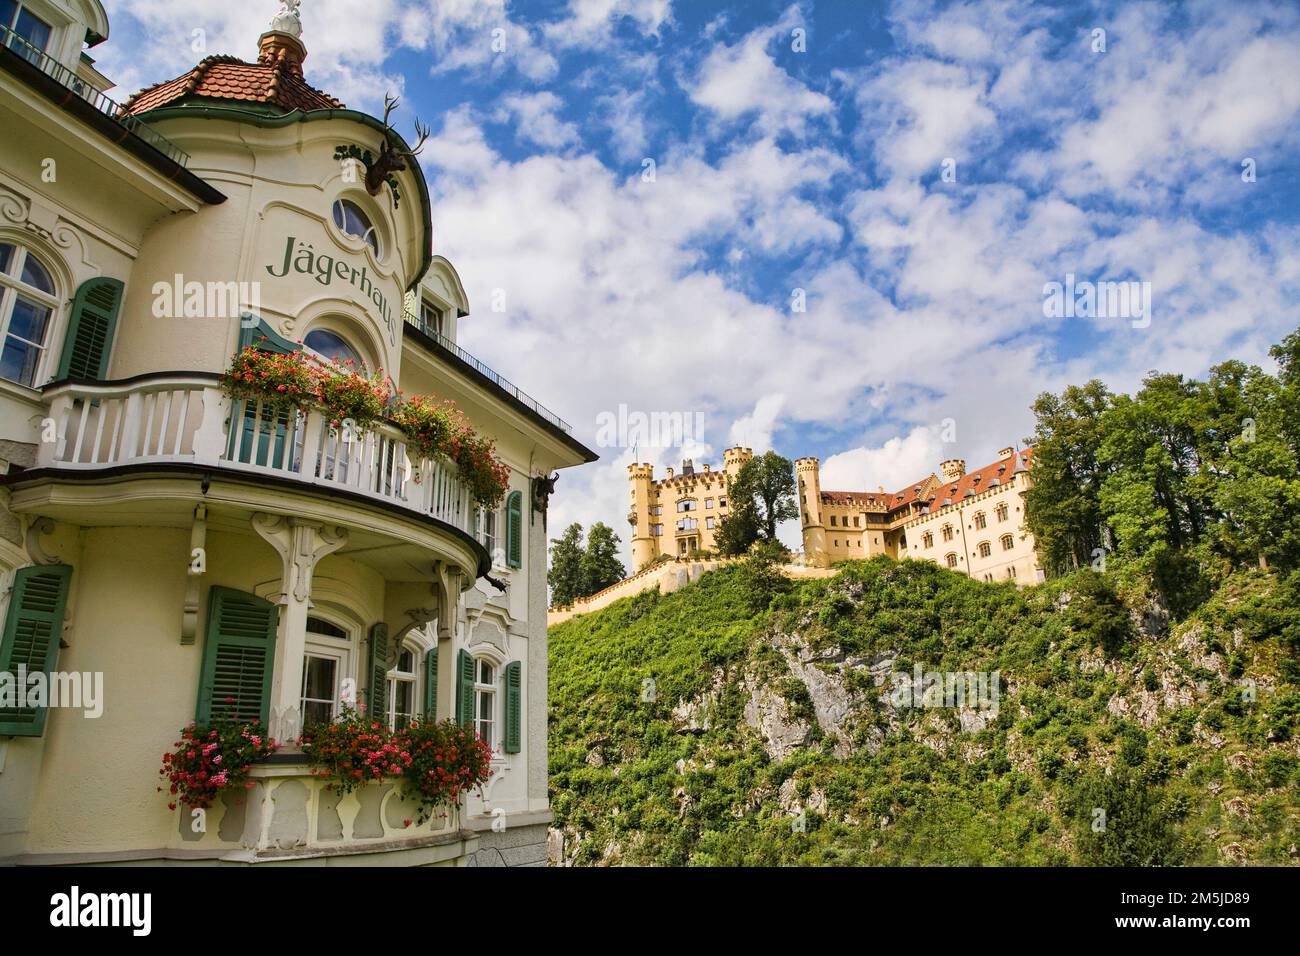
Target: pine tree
565,574
600,566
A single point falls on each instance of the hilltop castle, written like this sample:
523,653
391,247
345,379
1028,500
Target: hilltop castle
973,522
693,502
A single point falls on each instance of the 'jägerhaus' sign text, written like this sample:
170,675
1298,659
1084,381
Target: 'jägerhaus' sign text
325,269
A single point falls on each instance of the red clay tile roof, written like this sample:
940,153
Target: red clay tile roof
932,491
273,79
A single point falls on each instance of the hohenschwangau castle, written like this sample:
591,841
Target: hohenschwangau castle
970,521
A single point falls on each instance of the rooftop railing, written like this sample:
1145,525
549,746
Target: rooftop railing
104,104
501,382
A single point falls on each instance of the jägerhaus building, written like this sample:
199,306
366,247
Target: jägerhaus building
175,550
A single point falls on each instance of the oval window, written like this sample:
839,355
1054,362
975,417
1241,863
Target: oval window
349,217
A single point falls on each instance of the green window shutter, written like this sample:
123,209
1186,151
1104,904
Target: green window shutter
431,683
90,331
515,529
31,637
514,706
238,657
465,688
376,702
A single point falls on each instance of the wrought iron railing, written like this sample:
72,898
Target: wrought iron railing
104,104
502,383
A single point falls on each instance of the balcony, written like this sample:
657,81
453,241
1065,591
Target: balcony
499,381
174,418
289,815
69,80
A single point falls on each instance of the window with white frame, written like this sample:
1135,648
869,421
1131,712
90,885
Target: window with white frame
29,34
485,701
352,221
327,660
432,319
403,682
28,302
486,531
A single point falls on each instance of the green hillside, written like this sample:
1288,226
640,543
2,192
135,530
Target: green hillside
747,719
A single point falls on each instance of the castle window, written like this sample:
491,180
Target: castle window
833,519
857,521
722,502
708,523
686,504
988,577
659,509
952,560
981,522
1011,571
1002,512
947,532
28,301
985,549
927,539
353,222
687,524
708,502
1008,542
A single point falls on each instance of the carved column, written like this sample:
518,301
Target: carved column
301,545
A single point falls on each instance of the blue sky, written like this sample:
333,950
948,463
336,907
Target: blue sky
801,146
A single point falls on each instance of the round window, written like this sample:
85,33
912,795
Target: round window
349,217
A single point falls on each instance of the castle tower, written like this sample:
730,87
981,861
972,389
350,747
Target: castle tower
808,473
733,459
952,469
641,478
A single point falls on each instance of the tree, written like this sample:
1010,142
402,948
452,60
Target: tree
600,564
766,484
738,531
1063,507
565,574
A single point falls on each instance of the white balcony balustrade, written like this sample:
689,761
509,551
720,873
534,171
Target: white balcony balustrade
188,419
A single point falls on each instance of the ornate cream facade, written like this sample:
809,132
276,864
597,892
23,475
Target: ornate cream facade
679,514
972,522
142,515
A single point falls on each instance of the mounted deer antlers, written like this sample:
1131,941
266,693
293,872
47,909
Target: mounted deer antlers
392,157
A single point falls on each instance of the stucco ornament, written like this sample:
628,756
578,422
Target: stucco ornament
287,21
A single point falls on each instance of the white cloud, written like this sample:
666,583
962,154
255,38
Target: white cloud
535,120
744,80
755,429
889,466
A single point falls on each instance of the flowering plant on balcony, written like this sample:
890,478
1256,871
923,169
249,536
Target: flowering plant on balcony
209,760
353,750
440,431
282,382
434,762
446,760
345,394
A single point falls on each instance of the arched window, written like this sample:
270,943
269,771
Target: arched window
327,660
28,301
401,696
985,549
927,539
981,522
352,221
333,348
1002,511
947,532
1008,542
952,560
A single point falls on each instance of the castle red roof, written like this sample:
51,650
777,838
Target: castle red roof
275,79
933,494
